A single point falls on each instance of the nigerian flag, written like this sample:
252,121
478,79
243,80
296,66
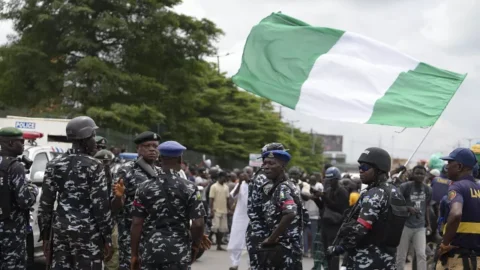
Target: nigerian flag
343,76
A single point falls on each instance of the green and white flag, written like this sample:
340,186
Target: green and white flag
342,76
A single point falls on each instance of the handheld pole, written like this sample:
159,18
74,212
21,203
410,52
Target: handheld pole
416,149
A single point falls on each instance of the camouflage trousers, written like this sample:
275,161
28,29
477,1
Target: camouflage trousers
113,264
13,252
370,257
76,250
290,260
164,267
252,241
124,245
319,259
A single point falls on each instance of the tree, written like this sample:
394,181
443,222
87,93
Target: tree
134,65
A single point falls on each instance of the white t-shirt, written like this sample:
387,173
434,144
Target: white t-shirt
310,205
199,180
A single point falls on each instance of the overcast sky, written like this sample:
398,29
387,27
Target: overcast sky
440,33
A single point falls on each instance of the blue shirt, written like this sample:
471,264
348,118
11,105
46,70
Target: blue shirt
439,188
467,192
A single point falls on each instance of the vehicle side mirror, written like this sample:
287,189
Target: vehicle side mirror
38,177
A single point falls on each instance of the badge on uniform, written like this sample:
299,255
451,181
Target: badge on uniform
271,155
452,194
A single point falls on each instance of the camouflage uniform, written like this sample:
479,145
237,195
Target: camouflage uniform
132,176
82,222
257,230
166,241
13,231
285,200
373,204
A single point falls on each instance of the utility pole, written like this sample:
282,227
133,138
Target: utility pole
292,127
218,61
393,146
314,140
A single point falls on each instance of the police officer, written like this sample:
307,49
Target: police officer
107,158
131,174
372,233
16,198
282,248
335,202
257,228
460,247
101,142
161,213
81,222
439,187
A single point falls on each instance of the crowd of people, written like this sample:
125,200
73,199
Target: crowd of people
154,212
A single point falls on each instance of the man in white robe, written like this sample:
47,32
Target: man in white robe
236,244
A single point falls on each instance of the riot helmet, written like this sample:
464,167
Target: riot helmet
333,173
273,146
80,128
376,157
104,154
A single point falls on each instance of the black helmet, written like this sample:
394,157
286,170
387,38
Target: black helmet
104,155
376,157
294,171
273,146
80,128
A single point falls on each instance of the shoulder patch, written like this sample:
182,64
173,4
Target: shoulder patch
199,195
282,195
452,194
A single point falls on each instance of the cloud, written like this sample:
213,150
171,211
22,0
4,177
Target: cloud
450,25
442,33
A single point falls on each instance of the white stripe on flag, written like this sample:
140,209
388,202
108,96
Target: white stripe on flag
350,78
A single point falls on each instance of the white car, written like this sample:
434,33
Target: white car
40,155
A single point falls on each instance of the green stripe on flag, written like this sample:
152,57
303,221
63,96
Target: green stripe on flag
428,88
291,47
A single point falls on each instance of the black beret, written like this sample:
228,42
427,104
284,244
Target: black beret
146,137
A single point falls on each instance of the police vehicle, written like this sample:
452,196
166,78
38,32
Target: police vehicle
40,156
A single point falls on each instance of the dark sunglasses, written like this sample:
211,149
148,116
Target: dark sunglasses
364,167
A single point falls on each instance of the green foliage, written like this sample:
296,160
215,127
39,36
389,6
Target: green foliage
136,65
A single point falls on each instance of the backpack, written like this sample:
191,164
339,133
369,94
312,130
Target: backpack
387,231
5,193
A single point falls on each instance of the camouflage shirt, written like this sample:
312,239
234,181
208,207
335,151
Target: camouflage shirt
285,200
83,199
23,197
372,205
257,226
167,204
132,176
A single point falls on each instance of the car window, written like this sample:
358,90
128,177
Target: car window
39,164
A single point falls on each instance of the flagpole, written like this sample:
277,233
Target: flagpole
418,147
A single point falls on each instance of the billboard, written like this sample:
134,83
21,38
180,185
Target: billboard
255,160
332,143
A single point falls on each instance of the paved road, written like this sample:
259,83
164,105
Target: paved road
220,260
